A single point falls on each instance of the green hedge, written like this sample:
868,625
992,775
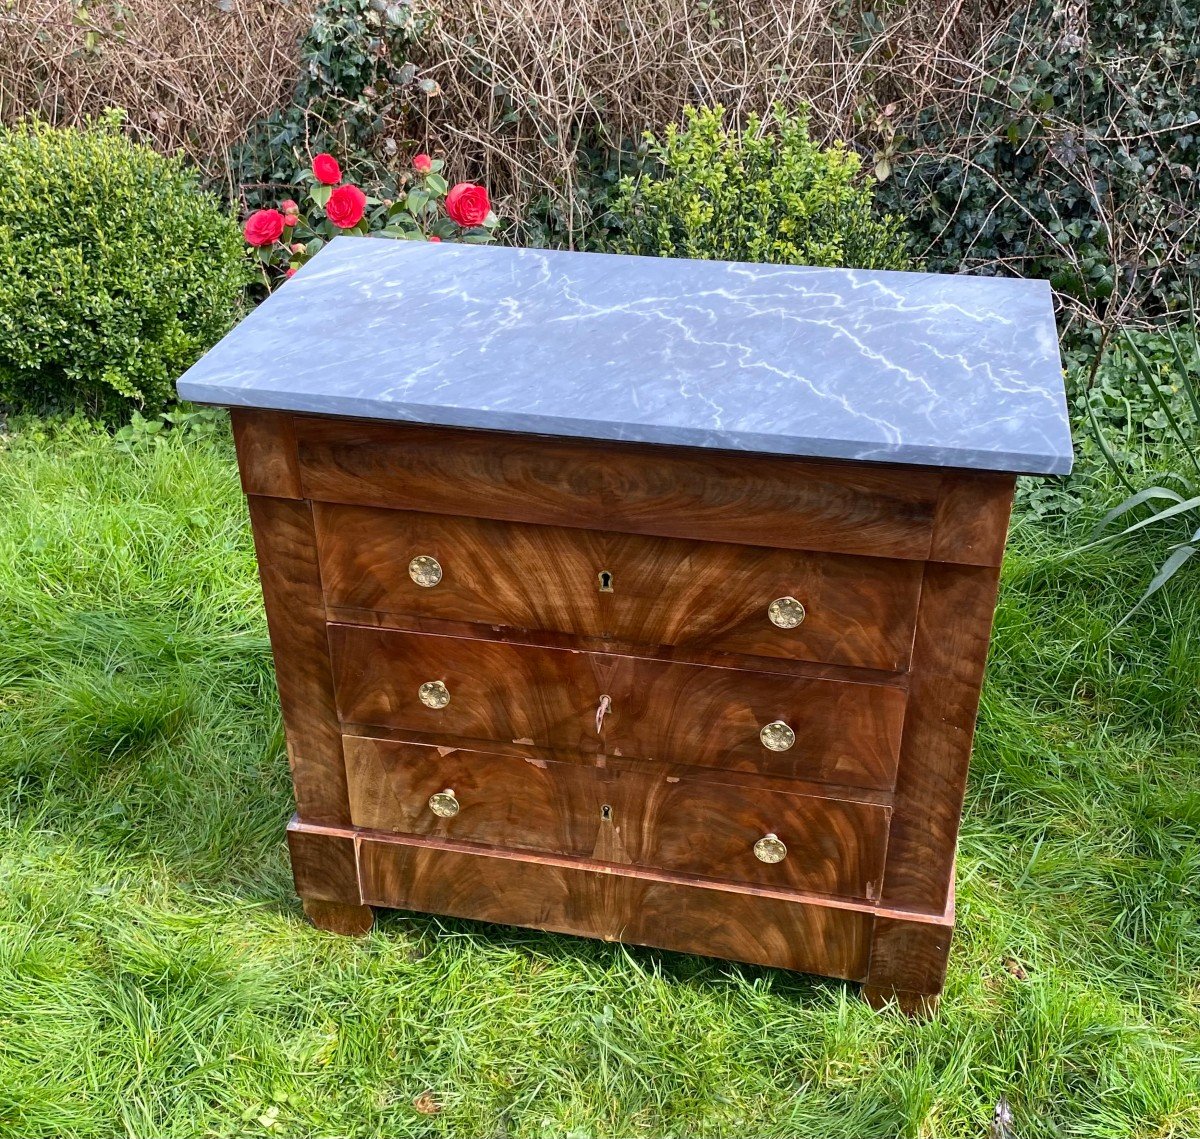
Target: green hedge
116,272
766,193
1077,161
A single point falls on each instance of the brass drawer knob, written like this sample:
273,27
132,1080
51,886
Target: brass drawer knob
777,736
425,571
434,694
444,804
770,849
785,612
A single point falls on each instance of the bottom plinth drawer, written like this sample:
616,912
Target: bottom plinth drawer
610,812
616,904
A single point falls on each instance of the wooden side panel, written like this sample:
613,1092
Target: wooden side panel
971,522
659,591
949,655
610,813
266,451
682,713
616,905
287,565
720,496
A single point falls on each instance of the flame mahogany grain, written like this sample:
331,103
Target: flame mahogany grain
680,492
898,567
835,846
681,713
291,583
664,591
568,896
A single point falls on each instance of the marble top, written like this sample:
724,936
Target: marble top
935,370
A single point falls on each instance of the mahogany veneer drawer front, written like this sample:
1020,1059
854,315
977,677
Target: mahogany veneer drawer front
571,897
610,813
637,598
611,586
463,689
676,492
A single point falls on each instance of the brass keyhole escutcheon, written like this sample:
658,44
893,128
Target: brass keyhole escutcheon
444,804
777,736
433,694
425,571
785,612
769,848
606,581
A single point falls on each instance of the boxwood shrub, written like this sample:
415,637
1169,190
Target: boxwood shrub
116,272
767,193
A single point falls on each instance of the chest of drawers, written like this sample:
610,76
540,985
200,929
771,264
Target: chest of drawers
709,690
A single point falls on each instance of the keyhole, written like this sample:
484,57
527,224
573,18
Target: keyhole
606,580
606,813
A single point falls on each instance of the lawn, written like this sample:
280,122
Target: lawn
157,976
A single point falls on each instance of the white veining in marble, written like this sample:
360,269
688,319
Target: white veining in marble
881,367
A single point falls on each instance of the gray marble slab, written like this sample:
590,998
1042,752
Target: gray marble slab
918,368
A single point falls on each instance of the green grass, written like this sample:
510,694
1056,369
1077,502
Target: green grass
157,976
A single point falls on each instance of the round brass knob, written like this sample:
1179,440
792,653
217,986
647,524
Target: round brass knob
444,804
770,849
434,694
425,571
777,736
785,612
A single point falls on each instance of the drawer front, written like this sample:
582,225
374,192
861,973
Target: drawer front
679,492
599,811
656,591
841,732
625,905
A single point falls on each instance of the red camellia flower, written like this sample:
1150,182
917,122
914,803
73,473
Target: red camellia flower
291,272
434,237
263,227
326,170
422,164
345,206
468,204
289,207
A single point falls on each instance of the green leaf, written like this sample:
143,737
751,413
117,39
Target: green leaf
1109,457
1191,385
416,201
1147,495
320,195
1168,570
1163,515
436,184
1152,382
